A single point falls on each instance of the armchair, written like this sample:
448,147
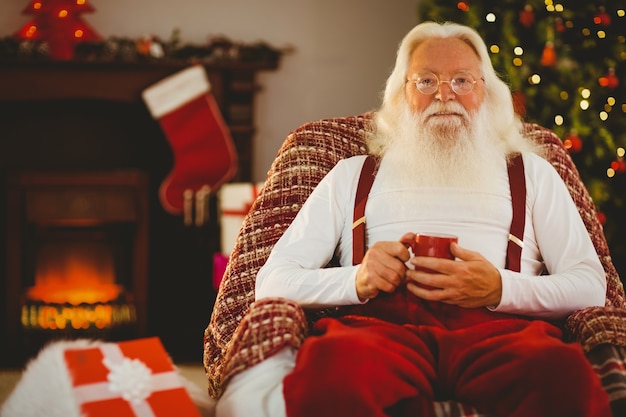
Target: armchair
242,332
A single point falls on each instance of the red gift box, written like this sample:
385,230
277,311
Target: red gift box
128,379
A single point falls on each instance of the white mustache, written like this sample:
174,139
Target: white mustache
445,108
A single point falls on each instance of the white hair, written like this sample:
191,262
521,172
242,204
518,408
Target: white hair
498,102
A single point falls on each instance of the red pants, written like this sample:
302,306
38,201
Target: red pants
502,365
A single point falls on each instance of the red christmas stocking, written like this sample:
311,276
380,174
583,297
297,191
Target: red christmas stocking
204,153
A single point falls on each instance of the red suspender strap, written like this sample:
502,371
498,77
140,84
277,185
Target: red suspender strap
368,173
517,183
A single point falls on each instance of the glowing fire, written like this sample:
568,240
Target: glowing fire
75,288
75,274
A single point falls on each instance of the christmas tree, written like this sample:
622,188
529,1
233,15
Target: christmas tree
59,25
566,65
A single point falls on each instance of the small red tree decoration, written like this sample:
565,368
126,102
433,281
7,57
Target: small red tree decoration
58,23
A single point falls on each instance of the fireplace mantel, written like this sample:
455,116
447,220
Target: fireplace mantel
23,80
233,84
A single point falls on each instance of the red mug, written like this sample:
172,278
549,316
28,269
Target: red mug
431,244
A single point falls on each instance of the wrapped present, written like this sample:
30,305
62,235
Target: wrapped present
133,378
220,261
90,378
234,202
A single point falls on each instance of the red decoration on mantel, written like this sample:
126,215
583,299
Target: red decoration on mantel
58,23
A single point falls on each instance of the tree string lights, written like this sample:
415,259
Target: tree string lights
566,63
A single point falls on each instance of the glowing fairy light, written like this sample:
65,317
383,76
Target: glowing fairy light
30,32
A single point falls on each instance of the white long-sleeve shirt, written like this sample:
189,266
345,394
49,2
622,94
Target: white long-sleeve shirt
555,239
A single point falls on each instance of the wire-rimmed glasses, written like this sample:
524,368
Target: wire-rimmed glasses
462,82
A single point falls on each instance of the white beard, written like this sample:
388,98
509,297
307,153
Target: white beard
456,152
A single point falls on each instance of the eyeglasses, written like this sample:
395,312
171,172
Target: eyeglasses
461,82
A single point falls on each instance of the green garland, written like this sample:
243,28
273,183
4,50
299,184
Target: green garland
149,49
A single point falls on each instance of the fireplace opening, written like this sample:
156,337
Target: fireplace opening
76,257
80,281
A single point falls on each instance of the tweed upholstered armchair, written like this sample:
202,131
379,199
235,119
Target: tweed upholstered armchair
243,332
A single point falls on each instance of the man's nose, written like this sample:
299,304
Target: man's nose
445,92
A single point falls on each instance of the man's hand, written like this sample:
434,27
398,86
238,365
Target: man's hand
382,269
471,282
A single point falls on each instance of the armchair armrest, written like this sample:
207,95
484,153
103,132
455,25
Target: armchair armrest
268,326
594,326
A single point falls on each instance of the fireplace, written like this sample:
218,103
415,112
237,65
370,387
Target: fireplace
77,134
78,257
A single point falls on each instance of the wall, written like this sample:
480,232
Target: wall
343,49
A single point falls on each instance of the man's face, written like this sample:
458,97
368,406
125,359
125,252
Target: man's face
444,57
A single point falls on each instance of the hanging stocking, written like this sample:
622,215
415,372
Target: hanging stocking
204,153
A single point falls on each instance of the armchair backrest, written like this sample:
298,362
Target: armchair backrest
305,157
558,156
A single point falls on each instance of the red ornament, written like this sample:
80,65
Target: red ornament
601,218
58,23
602,17
572,142
559,25
610,80
463,6
527,16
548,57
618,165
